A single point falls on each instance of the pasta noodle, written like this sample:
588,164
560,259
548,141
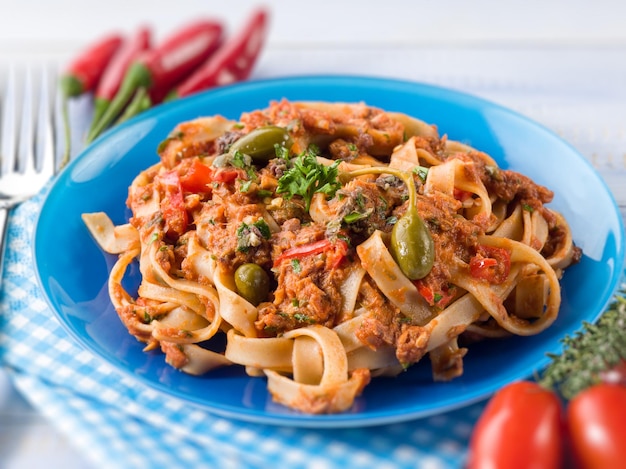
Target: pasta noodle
330,243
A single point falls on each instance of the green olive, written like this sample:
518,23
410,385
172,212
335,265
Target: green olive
260,143
252,282
412,245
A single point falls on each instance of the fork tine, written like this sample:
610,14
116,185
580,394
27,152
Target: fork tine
26,149
8,130
58,130
45,131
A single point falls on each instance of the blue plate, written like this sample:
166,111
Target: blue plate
73,271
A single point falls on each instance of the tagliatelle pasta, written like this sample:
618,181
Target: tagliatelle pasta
329,243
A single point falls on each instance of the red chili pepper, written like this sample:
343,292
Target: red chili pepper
114,73
491,264
233,62
84,72
82,75
339,246
164,66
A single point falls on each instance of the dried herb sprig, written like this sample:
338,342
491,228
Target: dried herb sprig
590,352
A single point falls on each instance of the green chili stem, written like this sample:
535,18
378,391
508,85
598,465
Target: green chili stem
138,76
140,102
100,107
67,131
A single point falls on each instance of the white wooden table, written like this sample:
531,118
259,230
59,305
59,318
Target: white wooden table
561,63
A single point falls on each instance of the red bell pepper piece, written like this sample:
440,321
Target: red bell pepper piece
440,298
114,73
198,177
163,66
226,174
233,62
338,246
85,71
461,195
491,264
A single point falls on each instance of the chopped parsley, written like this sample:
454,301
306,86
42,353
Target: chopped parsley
300,317
353,217
307,177
240,160
154,237
421,172
392,220
264,193
345,239
236,159
249,236
282,152
244,186
175,135
360,200
148,318
295,265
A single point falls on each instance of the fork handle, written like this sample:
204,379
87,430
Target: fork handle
4,216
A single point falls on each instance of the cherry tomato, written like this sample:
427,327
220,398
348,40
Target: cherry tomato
597,426
521,427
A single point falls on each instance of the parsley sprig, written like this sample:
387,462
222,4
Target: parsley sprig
306,177
589,352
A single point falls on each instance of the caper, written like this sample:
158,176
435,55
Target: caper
412,245
252,283
260,143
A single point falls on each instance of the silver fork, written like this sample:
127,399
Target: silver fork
27,155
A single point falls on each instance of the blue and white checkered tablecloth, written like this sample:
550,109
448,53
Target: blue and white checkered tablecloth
121,423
